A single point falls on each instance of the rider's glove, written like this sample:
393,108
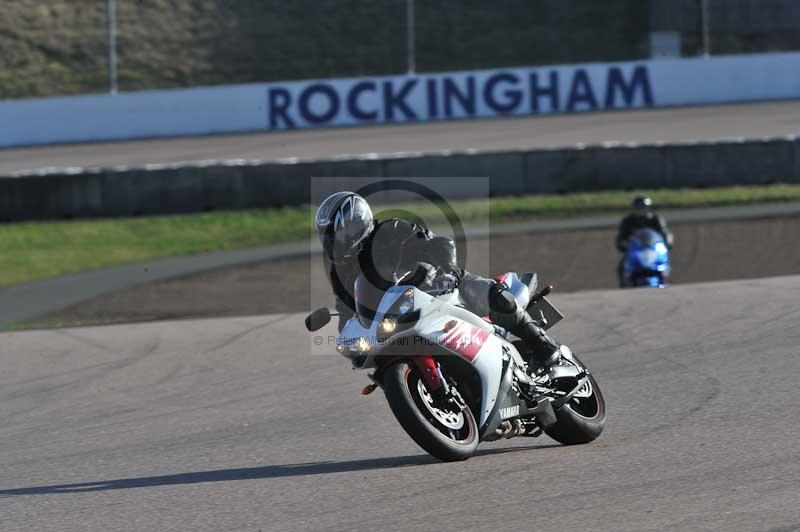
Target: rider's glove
445,283
425,276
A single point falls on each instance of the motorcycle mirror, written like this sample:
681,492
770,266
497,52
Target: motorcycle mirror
318,319
542,293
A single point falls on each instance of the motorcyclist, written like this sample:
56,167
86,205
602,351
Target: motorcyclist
354,242
642,216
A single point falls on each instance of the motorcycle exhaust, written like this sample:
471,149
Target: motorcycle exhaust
509,429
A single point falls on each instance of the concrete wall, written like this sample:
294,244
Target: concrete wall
244,186
523,91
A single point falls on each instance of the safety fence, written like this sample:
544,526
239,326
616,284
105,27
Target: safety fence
55,48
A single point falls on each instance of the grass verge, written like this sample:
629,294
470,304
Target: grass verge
30,251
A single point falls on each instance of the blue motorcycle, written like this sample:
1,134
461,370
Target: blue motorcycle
646,260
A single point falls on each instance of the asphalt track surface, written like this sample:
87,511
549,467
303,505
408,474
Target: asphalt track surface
582,257
230,424
673,125
261,280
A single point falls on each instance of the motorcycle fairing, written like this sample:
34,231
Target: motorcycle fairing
507,400
464,338
476,335
487,361
646,261
510,406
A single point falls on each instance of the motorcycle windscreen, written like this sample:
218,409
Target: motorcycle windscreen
368,297
647,238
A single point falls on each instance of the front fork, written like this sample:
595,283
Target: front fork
428,368
432,375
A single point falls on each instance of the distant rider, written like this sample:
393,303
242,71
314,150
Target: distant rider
353,242
642,216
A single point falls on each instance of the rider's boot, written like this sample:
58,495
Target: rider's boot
506,313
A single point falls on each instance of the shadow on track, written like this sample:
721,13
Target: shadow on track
250,473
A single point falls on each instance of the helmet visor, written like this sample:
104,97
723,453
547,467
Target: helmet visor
351,232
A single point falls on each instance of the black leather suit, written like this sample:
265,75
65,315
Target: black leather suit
642,220
395,247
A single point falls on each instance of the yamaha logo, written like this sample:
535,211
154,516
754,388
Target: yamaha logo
509,411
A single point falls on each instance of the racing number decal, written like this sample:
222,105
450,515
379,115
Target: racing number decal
466,339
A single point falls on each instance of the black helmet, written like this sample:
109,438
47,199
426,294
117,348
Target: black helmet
343,221
641,203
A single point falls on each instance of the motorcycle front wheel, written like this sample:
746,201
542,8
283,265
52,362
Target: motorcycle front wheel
443,430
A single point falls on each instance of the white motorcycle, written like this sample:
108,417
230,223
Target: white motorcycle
453,379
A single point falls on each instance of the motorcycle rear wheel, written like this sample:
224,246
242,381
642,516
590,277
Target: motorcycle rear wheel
443,432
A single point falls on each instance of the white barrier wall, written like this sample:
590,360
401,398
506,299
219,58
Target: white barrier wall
376,100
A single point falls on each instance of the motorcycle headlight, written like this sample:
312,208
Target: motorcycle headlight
388,325
400,316
646,257
363,345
